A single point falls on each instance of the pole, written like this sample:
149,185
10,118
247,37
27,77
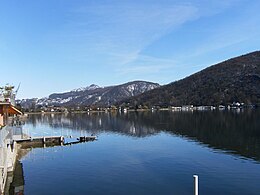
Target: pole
196,184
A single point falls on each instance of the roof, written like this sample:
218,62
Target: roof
11,109
14,110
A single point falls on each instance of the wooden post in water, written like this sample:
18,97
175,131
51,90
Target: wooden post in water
196,184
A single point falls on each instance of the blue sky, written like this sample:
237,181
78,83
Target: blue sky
58,45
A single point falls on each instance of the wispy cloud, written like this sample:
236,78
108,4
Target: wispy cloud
124,30
228,34
116,35
146,65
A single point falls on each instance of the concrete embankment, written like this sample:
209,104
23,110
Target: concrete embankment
8,153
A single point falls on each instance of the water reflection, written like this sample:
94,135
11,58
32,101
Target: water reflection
236,132
15,180
17,185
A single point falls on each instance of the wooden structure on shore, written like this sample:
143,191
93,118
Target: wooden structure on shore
7,104
48,141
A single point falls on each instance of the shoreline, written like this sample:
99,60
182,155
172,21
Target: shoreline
138,110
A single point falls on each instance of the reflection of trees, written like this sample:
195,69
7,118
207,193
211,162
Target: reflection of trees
95,122
239,133
236,132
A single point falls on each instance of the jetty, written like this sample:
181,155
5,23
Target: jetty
48,141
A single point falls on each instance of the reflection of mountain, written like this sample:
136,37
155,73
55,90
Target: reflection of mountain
96,123
232,131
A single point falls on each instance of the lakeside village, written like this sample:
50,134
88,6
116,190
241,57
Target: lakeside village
34,108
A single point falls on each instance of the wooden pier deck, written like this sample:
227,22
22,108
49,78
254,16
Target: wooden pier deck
47,141
44,139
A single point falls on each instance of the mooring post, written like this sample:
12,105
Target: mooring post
61,139
196,184
44,139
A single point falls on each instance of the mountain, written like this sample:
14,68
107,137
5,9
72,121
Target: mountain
234,80
92,95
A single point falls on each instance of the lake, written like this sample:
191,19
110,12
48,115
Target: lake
145,153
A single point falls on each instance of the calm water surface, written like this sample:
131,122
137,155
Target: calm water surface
146,153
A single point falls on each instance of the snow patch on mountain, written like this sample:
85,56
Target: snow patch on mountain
88,88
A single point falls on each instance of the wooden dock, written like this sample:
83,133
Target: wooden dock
44,139
48,141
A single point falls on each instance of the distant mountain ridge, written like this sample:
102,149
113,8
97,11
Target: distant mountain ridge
234,80
92,95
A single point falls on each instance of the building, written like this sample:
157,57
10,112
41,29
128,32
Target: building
7,105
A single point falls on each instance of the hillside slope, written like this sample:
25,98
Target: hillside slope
237,79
